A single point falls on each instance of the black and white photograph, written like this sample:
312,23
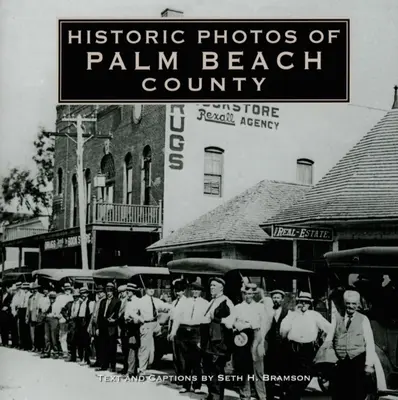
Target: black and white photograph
198,199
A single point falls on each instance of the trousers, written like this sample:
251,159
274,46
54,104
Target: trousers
214,365
146,351
51,334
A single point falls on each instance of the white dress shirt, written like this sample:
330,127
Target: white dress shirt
56,310
190,310
247,314
44,303
367,335
17,301
304,327
83,307
132,309
146,310
25,299
63,299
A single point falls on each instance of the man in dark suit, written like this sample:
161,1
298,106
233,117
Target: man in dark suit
107,322
275,359
5,316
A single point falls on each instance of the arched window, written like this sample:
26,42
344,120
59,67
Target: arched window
108,169
59,181
213,175
128,179
74,202
146,175
87,187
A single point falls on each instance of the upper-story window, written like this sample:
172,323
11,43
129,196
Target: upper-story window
305,174
108,169
214,160
146,176
87,183
128,179
74,202
59,180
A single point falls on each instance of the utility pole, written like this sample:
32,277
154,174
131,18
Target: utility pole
80,142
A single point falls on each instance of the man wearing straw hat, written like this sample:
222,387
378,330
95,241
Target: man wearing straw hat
85,311
248,324
301,328
122,290
32,314
108,313
132,325
71,312
23,325
62,300
51,328
15,305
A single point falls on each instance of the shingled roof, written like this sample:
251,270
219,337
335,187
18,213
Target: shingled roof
362,186
236,221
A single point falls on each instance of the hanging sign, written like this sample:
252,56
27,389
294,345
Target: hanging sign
65,242
302,233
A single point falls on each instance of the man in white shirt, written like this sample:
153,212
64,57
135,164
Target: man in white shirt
188,315
149,308
132,325
85,311
354,345
248,323
51,328
62,300
301,327
32,313
24,331
179,287
122,329
42,306
71,315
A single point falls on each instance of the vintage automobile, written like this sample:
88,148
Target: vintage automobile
139,275
22,274
56,278
373,272
267,275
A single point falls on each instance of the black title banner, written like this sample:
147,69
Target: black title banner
159,61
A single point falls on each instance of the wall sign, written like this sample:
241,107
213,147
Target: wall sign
62,243
251,115
176,140
302,233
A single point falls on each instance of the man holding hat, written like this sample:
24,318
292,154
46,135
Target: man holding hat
149,308
188,315
247,321
216,337
62,300
132,325
32,314
301,327
93,326
108,315
51,328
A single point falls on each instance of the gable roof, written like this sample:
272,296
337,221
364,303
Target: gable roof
238,219
362,186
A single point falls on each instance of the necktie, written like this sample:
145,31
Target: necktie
106,307
155,313
211,304
50,309
193,309
348,322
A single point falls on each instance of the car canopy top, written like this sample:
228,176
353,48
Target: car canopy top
55,274
364,258
221,266
127,272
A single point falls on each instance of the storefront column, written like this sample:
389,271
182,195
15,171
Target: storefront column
19,257
93,247
3,261
40,256
295,256
335,245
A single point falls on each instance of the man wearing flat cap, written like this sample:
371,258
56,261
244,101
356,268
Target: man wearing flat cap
70,312
93,325
122,328
301,328
32,314
149,308
188,315
107,321
132,325
247,321
51,328
216,337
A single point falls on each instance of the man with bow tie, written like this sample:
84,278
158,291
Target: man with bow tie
149,308
301,328
132,326
354,345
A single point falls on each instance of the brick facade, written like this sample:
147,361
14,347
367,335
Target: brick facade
128,136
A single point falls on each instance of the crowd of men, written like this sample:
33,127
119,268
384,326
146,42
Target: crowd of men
261,336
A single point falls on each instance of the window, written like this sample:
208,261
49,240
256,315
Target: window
108,169
305,171
87,181
59,181
146,176
128,180
213,171
74,201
